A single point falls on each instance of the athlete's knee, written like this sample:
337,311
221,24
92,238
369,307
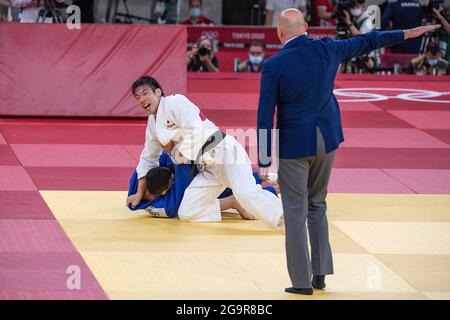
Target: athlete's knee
200,215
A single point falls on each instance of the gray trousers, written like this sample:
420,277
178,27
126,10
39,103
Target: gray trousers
303,185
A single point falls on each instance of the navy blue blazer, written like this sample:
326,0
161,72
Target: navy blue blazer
299,81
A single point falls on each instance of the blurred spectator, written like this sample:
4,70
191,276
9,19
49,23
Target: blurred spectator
275,7
196,16
4,6
255,58
403,14
164,12
444,34
201,58
358,18
29,9
324,10
430,63
358,23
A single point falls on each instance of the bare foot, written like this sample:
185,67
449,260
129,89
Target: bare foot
243,213
246,215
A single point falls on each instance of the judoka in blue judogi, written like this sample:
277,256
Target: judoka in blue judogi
167,204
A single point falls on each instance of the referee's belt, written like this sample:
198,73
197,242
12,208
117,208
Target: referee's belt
212,141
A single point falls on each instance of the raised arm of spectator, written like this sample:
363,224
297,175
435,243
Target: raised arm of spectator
351,26
442,19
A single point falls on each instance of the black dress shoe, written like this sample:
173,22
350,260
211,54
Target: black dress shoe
318,282
305,291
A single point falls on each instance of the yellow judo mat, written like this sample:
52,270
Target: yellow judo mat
384,247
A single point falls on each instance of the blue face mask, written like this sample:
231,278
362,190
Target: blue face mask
255,59
432,62
196,12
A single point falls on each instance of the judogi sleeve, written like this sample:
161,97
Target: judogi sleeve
362,44
187,117
150,155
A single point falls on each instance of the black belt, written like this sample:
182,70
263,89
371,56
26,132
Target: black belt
212,141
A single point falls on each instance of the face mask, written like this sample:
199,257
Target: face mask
432,62
356,12
255,60
196,12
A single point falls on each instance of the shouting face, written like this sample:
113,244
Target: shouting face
148,99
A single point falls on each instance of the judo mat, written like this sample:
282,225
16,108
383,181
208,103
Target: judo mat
63,186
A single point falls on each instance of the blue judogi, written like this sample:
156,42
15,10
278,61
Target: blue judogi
168,204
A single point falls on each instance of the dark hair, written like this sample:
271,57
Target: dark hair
203,38
433,47
157,180
146,81
257,44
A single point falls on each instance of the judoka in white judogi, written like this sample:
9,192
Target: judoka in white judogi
175,119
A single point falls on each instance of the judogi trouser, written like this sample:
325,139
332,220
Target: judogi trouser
231,168
303,185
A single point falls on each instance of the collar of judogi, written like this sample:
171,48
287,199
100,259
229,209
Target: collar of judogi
161,103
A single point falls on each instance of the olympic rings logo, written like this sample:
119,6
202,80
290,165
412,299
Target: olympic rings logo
210,34
417,95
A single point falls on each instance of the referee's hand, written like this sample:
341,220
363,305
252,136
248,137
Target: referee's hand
417,32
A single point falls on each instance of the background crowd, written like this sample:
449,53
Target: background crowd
428,55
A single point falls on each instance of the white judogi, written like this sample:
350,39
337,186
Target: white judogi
177,120
226,165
